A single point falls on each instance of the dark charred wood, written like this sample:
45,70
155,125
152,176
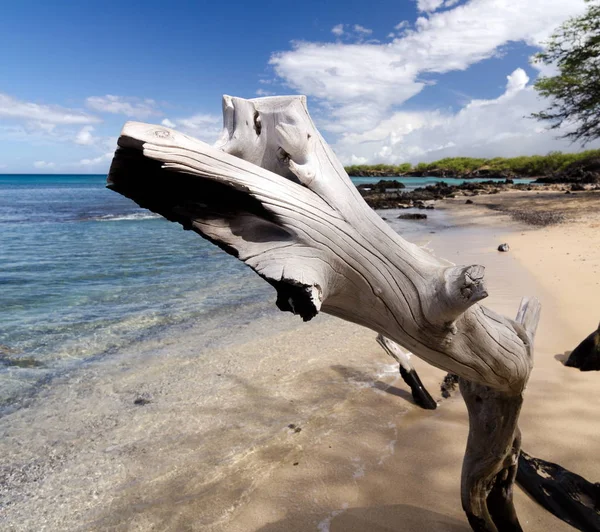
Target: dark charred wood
586,356
567,495
419,392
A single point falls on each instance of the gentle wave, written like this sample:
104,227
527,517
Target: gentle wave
123,217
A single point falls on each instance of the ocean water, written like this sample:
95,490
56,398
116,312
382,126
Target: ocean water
85,272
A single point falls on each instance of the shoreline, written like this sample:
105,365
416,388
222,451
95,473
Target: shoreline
216,447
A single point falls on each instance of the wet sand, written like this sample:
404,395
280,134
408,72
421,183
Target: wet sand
294,427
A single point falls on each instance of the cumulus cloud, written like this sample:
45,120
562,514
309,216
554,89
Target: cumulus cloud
382,76
338,30
131,107
85,137
101,160
360,88
44,115
482,128
362,30
167,123
43,165
429,5
262,92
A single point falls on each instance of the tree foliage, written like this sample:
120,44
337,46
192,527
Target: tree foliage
522,166
574,92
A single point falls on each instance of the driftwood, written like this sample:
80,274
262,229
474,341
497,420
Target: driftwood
273,194
408,373
567,495
586,356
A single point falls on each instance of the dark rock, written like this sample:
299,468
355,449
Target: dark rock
412,216
141,401
381,186
469,202
586,355
503,247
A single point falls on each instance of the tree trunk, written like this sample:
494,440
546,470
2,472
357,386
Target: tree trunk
273,194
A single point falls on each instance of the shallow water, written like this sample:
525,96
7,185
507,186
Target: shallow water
85,271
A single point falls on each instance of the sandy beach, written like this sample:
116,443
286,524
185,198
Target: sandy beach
285,426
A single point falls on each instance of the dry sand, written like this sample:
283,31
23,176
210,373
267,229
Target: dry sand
306,427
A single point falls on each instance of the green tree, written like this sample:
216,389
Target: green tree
574,92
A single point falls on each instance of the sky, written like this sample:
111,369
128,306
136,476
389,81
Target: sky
387,81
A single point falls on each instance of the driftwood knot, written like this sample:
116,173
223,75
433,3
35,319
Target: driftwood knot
161,133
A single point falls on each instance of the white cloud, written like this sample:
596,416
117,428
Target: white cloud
101,160
338,30
131,107
482,128
362,30
85,137
383,76
360,87
43,165
45,116
262,92
429,5
167,123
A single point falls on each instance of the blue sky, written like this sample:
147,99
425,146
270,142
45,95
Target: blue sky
404,80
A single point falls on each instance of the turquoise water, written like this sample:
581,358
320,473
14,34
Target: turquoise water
84,271
415,182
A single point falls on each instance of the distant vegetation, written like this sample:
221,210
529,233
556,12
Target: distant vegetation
524,166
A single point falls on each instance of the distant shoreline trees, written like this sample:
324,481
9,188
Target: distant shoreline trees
523,166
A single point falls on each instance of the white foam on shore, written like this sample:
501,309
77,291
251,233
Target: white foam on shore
126,217
324,525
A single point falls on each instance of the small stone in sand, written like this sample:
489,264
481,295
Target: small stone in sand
503,247
140,401
469,202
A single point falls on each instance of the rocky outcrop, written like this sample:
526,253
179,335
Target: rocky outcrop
395,199
586,171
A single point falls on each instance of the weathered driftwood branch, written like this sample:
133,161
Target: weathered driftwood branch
586,356
408,373
567,495
272,193
494,443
